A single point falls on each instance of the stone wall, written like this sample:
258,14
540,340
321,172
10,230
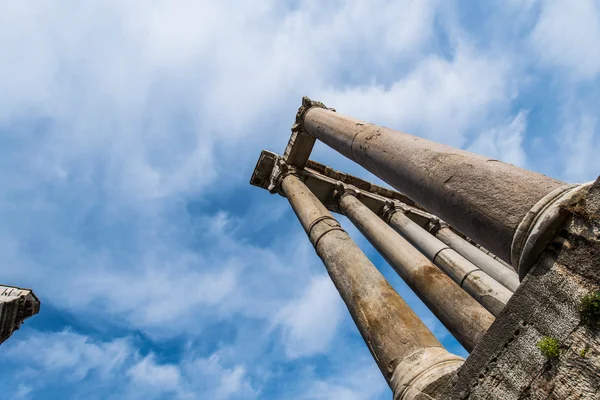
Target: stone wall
508,364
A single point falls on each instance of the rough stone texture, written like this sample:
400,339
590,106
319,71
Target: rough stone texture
501,272
322,181
460,313
358,183
16,305
392,331
261,176
483,198
489,293
301,144
415,378
507,363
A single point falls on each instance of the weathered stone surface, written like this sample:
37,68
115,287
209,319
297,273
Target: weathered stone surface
507,364
484,289
360,184
393,333
484,198
16,305
301,143
515,213
501,272
460,313
261,176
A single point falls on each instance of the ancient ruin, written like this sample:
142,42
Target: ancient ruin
507,259
16,305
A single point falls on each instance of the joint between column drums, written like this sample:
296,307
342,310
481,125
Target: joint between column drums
339,228
540,225
335,227
316,221
462,282
438,253
352,142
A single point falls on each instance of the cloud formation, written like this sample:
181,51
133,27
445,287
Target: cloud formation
128,132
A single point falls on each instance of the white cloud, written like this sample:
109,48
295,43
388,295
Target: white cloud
69,355
22,392
354,381
132,99
114,114
223,383
147,372
579,146
153,297
311,321
439,99
504,142
567,36
114,369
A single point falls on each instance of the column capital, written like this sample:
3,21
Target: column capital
390,208
299,147
307,104
435,224
343,189
281,169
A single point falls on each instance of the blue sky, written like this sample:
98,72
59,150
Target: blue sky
128,134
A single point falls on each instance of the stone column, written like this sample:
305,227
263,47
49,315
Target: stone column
460,314
489,293
507,277
487,200
410,358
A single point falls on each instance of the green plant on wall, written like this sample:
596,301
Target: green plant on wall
549,347
589,308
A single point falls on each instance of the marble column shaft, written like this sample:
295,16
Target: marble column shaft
485,199
460,313
489,293
407,353
495,269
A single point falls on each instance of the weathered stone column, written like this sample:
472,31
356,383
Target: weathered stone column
487,200
489,293
410,358
493,268
460,313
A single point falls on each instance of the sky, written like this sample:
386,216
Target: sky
129,130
